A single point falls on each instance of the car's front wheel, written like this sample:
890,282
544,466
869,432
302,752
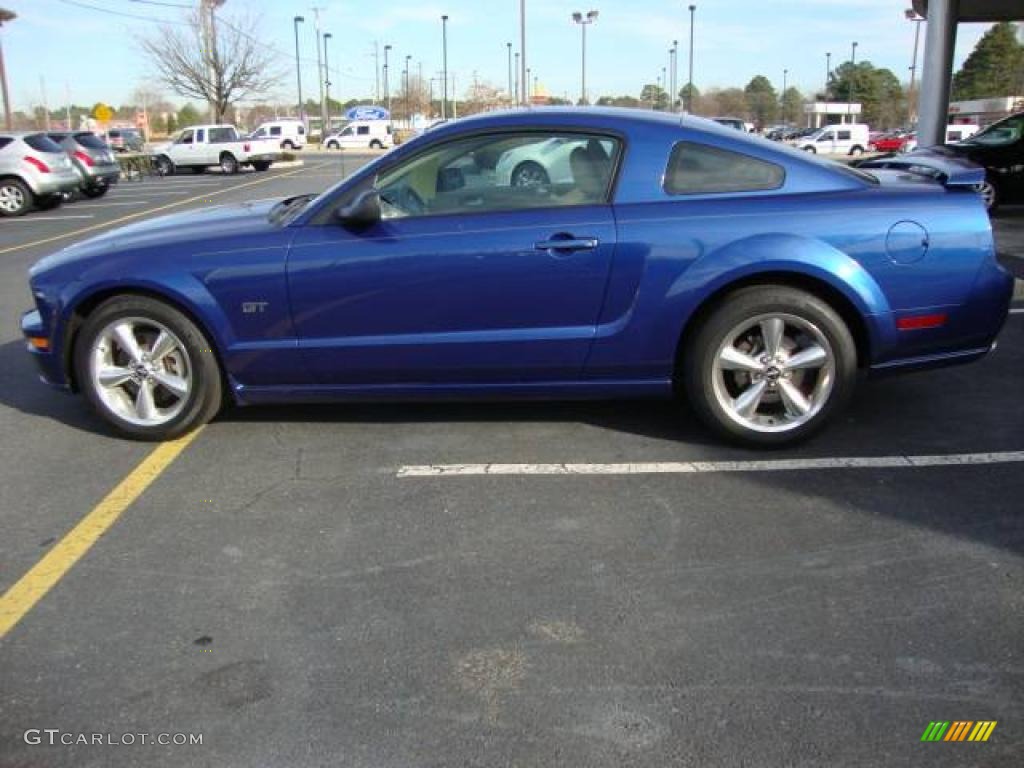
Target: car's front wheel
147,369
15,197
989,195
333,145
376,144
770,365
228,163
95,190
164,166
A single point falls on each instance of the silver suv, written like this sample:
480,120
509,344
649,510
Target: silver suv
92,158
33,171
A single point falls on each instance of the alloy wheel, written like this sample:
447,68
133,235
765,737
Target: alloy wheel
12,198
141,371
773,372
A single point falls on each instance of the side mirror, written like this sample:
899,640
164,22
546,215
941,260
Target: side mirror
362,212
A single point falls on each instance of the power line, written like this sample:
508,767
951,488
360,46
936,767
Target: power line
78,4
165,5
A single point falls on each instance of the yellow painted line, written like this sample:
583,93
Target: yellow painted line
148,211
44,575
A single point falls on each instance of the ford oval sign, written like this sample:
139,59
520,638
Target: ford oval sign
367,113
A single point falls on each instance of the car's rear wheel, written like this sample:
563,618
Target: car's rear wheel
95,190
989,195
375,144
812,150
770,365
164,166
228,163
147,369
529,174
287,144
15,197
856,151
333,145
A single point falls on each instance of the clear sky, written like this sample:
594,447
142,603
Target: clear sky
88,55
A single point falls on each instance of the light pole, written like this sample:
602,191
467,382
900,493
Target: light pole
6,16
528,85
320,72
584,22
524,80
511,96
853,81
408,113
444,66
327,86
298,69
785,76
911,15
828,73
674,59
387,91
664,79
689,85
516,68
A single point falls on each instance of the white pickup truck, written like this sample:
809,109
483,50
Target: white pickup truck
199,147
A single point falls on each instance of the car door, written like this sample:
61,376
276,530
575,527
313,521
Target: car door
465,278
184,150
826,143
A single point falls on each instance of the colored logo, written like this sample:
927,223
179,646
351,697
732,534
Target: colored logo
958,730
367,113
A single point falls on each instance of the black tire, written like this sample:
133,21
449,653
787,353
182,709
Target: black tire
204,399
856,151
812,150
228,163
97,190
287,144
261,166
333,145
164,166
990,194
49,202
375,144
527,170
15,198
696,367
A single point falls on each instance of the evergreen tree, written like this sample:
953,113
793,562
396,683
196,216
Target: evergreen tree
994,68
188,115
792,106
762,100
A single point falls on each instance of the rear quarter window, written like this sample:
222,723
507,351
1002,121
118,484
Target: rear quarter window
222,134
698,169
90,140
4,141
41,143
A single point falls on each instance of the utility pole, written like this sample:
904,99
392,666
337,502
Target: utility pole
6,16
675,73
689,85
524,80
911,15
853,82
387,91
320,71
376,72
828,73
327,85
298,66
444,67
584,22
511,96
518,101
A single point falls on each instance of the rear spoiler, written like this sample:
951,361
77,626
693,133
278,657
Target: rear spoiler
941,165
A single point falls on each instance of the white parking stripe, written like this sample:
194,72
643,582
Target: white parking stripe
29,219
90,204
1017,311
706,467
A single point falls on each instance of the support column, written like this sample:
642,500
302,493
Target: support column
939,42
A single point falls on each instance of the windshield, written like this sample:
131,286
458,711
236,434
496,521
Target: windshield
1000,134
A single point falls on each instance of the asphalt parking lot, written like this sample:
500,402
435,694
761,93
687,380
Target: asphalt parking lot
512,584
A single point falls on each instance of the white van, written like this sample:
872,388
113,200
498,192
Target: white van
362,134
290,133
840,139
954,132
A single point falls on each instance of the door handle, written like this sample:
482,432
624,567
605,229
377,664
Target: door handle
568,244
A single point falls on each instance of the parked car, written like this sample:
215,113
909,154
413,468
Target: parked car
360,134
759,281
34,171
125,140
954,132
290,133
537,164
998,149
890,142
199,147
93,160
841,139
732,122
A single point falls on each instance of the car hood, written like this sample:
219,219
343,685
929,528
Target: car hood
187,230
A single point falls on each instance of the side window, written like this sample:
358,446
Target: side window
275,130
503,172
4,141
347,131
186,137
199,136
302,130
363,130
698,169
826,137
844,135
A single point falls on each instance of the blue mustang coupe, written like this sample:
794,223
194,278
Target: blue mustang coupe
537,253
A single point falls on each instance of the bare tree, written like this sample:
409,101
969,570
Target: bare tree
212,59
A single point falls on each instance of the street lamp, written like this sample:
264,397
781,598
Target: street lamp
408,113
584,22
298,69
689,86
528,85
387,91
444,66
911,15
828,73
525,80
853,81
516,68
674,59
511,97
327,85
785,76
